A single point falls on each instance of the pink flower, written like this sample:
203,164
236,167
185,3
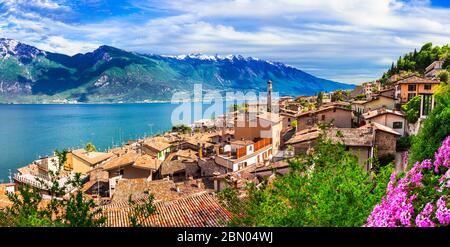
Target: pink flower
396,207
442,212
423,219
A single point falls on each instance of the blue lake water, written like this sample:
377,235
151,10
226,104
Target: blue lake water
30,131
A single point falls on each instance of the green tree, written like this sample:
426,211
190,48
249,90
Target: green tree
319,99
326,187
90,147
63,209
338,95
294,123
443,76
181,128
140,210
412,109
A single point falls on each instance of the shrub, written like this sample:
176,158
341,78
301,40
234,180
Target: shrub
326,187
434,129
420,197
412,109
403,143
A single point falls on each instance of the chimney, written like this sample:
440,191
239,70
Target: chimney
269,95
200,151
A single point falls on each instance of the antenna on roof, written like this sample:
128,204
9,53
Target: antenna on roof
10,176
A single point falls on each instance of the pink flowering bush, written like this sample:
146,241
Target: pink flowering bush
418,198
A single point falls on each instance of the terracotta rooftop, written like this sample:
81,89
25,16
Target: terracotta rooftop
351,137
164,190
92,158
379,112
199,210
348,136
124,160
327,108
377,126
186,154
156,145
304,135
147,162
416,79
171,167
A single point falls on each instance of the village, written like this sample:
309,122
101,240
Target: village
186,167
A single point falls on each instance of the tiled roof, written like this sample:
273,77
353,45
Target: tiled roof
304,135
375,113
416,79
164,190
377,97
199,210
348,136
351,137
124,160
187,154
378,126
92,157
156,145
327,108
171,167
147,162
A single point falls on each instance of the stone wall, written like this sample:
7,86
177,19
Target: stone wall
385,143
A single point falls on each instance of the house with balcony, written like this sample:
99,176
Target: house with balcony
253,126
409,87
242,153
433,69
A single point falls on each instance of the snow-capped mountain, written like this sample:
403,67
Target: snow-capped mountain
10,47
108,74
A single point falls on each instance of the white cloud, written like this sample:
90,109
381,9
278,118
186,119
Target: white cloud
348,40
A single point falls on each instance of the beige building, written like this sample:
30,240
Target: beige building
242,153
252,127
81,161
340,117
377,102
390,118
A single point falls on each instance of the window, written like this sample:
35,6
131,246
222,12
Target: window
412,87
121,171
427,87
289,120
397,125
426,104
323,117
411,95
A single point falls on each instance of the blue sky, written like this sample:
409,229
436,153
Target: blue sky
348,40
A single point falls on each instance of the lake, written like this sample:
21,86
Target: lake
30,131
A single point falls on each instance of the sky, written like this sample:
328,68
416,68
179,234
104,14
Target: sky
350,41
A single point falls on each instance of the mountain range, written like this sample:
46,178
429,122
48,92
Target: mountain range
108,74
